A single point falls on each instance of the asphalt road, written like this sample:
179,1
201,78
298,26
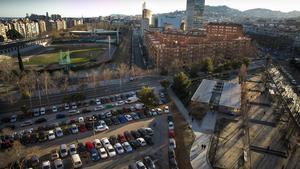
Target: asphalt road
137,51
89,94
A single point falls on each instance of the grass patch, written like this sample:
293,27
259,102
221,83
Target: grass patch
77,56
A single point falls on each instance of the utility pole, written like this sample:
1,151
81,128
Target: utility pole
245,118
21,66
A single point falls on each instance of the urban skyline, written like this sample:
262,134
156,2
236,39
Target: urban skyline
95,8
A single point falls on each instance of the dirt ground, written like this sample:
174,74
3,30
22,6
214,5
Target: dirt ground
183,144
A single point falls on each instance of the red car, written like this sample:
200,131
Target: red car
82,128
171,134
121,138
89,146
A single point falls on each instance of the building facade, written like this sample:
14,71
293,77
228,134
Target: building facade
194,14
2,31
196,45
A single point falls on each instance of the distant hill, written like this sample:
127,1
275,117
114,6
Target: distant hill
225,11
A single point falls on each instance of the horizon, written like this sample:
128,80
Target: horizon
93,8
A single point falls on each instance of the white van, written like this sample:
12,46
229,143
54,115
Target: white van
76,161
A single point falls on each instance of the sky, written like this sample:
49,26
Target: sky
92,8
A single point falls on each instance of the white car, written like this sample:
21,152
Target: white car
100,128
103,153
158,110
74,106
74,128
67,107
119,148
108,114
51,135
80,119
97,143
171,125
111,151
141,141
46,165
72,149
120,103
98,102
153,112
63,150
42,111
140,164
58,164
166,109
100,107
54,109
59,132
105,141
127,147
172,143
128,117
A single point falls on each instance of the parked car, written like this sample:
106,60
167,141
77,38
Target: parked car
97,143
58,164
128,136
13,118
127,147
42,137
113,140
122,119
166,109
135,134
94,155
74,106
105,141
76,161
119,148
108,121
140,165
34,161
98,102
58,132
74,128
171,125
40,120
42,111
111,151
115,120
121,138
89,146
170,118
100,107
67,107
54,109
172,143
128,117
171,134
141,141
51,135
26,123
148,140
54,155
82,128
81,149
149,162
60,116
103,153
63,150
46,165
100,127
72,149
134,116
143,132
134,144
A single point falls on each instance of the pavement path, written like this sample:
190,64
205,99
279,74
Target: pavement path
198,155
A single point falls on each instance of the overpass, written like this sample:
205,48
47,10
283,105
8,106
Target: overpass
98,32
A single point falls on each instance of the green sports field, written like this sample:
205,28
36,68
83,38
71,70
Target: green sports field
77,55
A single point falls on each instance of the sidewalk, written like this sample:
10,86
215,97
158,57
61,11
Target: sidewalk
198,155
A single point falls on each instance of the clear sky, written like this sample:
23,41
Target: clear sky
87,8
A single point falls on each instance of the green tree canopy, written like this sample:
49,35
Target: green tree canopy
165,83
1,38
208,65
148,97
181,84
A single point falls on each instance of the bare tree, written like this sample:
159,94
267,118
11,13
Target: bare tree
122,71
47,83
27,85
106,74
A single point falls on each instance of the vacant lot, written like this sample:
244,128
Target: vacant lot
78,54
184,140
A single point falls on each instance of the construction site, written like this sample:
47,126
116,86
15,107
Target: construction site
266,131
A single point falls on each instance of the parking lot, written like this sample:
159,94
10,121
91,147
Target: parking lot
96,119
